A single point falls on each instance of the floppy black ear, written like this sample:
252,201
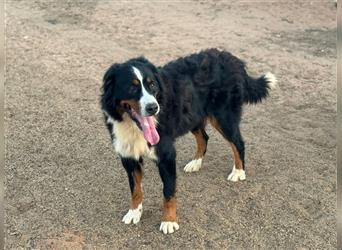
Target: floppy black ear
108,100
158,77
109,77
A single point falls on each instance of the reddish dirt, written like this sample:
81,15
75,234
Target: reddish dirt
62,174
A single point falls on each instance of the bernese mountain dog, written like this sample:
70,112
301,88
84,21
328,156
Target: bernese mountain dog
147,107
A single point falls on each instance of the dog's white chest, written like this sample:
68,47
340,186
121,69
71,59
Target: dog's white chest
129,140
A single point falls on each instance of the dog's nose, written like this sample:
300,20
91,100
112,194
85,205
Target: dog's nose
151,108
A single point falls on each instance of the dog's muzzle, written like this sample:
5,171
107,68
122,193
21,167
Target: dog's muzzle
152,108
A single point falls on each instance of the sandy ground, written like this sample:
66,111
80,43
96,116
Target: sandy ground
65,188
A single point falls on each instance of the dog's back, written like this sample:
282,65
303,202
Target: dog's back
205,84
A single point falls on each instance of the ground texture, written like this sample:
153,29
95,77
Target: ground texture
65,188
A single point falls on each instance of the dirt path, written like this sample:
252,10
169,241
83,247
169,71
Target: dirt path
65,186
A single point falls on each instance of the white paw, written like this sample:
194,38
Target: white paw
236,175
168,227
193,165
133,215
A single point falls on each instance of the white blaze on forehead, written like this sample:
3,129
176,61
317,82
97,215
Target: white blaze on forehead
138,74
146,97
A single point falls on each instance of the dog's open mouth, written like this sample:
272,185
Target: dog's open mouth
146,124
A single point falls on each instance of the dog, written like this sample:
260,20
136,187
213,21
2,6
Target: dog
147,107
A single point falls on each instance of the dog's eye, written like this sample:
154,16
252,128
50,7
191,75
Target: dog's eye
133,89
152,84
136,82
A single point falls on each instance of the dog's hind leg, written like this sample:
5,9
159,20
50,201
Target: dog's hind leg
202,141
229,128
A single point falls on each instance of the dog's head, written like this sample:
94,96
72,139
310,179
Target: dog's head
133,87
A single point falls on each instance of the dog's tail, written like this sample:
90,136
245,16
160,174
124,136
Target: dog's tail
258,89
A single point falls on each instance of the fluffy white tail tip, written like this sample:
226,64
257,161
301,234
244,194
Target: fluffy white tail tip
271,80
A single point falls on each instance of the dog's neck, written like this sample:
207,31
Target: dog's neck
129,140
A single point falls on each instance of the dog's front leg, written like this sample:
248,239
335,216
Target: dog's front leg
167,169
134,173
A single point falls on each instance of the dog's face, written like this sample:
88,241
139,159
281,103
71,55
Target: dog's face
132,88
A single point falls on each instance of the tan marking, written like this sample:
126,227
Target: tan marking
237,159
120,109
136,82
132,103
216,125
236,155
201,144
169,209
137,195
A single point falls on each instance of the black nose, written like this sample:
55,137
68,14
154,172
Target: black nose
151,108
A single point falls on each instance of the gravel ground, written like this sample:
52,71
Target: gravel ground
65,188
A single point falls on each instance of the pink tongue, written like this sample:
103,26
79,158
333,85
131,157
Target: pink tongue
149,129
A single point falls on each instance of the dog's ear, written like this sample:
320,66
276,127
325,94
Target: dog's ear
158,77
108,100
109,77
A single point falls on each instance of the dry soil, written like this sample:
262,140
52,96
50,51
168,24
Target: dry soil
65,187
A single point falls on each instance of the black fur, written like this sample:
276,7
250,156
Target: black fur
130,166
211,83
117,85
109,126
256,89
166,163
